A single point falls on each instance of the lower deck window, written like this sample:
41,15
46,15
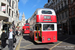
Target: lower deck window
48,27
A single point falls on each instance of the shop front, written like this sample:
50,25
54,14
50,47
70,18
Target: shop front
72,26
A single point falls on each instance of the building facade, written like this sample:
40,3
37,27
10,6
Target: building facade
28,20
72,16
61,8
21,22
9,12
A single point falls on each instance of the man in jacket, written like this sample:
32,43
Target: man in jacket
10,39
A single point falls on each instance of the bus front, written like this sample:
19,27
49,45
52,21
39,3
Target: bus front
48,22
27,28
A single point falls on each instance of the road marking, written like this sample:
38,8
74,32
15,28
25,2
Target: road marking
58,43
26,46
18,46
67,45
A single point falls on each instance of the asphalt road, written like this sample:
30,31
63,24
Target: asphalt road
64,43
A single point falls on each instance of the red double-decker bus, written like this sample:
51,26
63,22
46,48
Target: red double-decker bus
43,26
26,28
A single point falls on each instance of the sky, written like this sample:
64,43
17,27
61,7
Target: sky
29,7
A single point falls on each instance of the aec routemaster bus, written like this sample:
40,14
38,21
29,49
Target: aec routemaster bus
26,28
43,26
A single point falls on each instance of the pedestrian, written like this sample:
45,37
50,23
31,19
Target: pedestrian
17,32
10,39
14,33
3,39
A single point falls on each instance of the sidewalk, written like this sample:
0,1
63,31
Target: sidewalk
18,38
66,35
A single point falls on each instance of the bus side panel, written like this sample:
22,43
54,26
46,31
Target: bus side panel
50,36
31,34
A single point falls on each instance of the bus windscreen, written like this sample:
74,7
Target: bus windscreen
26,25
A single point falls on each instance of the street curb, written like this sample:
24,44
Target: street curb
17,42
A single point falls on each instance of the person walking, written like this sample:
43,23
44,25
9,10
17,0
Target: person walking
16,32
10,39
3,39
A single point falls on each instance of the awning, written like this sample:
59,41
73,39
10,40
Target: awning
7,22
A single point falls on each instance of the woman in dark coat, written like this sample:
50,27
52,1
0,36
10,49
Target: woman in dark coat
3,39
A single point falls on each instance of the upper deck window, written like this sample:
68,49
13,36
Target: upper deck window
46,12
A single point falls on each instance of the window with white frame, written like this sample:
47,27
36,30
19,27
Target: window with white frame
9,12
9,2
48,27
12,4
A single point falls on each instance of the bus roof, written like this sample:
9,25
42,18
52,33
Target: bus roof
38,11
44,9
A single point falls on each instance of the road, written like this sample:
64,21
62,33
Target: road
64,43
